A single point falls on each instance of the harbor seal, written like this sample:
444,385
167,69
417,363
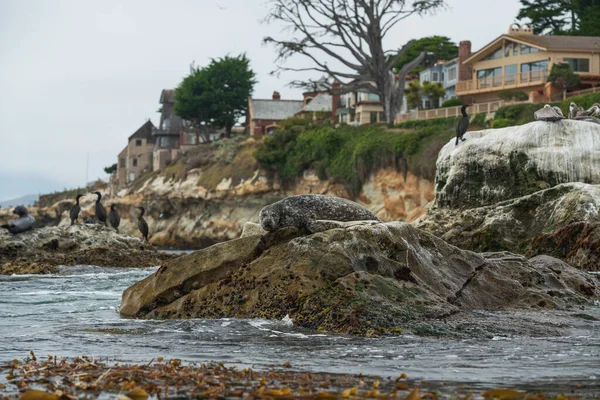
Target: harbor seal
304,211
21,224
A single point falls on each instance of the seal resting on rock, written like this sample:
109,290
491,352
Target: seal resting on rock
304,211
21,224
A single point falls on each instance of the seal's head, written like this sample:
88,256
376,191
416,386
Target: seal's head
20,211
269,218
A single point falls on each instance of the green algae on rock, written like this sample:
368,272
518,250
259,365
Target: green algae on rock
362,278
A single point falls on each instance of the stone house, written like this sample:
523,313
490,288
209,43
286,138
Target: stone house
521,60
167,135
136,157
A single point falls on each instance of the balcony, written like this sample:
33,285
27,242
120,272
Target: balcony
502,82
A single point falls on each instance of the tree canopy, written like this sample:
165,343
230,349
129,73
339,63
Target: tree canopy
216,95
343,39
563,77
441,46
110,169
562,17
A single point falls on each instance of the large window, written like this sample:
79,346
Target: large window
533,70
488,73
495,55
452,73
528,49
507,48
510,74
434,77
579,64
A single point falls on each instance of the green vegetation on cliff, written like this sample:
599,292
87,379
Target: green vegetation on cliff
350,154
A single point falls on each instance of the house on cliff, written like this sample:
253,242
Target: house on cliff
136,157
521,60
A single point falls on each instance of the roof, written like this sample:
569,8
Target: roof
144,132
544,43
275,109
322,102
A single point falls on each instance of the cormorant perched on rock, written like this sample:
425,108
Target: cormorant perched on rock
74,213
114,218
548,113
142,224
463,124
575,111
21,224
100,210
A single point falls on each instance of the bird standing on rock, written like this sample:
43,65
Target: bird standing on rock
114,218
463,124
74,213
100,210
142,224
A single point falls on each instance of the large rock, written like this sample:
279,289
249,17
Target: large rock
494,165
361,278
531,189
41,250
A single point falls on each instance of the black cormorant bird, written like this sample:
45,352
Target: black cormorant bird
100,210
114,218
463,124
74,213
142,224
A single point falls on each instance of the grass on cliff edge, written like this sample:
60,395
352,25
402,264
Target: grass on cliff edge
350,154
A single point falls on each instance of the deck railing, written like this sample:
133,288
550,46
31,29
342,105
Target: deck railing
446,112
507,81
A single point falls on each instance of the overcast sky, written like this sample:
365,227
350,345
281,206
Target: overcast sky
79,77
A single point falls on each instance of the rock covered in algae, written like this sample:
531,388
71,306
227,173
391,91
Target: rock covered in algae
359,278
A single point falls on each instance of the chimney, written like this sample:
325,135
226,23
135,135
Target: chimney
276,95
465,72
335,99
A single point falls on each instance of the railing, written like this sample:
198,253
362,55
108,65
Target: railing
476,108
502,82
584,91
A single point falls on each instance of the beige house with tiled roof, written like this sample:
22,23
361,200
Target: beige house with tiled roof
136,157
521,60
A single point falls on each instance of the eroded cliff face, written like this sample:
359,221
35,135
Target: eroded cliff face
182,213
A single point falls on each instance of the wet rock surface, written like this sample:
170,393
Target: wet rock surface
362,278
42,250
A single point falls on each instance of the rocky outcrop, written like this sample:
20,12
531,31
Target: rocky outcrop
182,213
505,190
42,250
495,165
362,278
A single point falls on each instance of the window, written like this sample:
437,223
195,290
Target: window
166,124
135,162
434,77
579,64
507,47
495,55
373,117
534,66
510,74
138,142
372,97
427,104
382,117
452,74
528,49
488,73
344,118
515,49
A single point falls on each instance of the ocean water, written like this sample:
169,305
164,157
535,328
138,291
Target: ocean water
75,313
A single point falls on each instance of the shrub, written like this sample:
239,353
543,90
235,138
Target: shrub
350,154
424,123
501,123
452,103
517,95
479,119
